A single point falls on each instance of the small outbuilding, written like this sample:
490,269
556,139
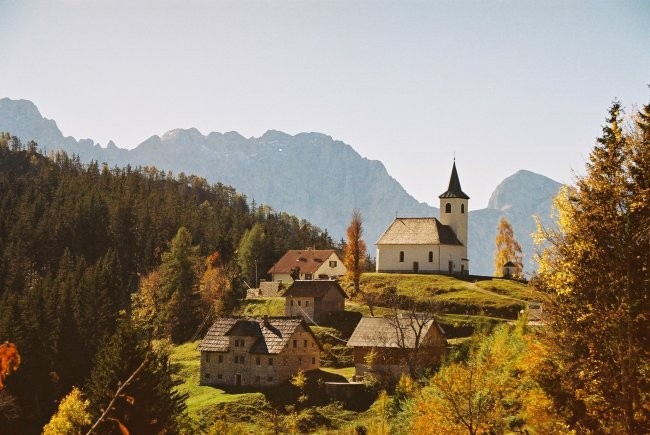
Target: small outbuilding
313,300
396,343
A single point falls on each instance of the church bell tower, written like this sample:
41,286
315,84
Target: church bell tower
454,208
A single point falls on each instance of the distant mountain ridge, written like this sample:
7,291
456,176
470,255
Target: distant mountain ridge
308,174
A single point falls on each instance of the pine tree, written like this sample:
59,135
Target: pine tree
149,403
596,267
508,249
179,282
354,256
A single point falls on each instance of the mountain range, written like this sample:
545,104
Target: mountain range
308,174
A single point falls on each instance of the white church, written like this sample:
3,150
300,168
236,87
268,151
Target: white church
429,245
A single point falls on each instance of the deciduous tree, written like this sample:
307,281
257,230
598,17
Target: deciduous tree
508,249
72,417
354,255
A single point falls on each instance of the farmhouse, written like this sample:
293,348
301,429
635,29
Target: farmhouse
396,341
314,299
429,245
308,264
257,352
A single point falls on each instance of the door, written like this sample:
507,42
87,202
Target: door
451,267
416,267
238,379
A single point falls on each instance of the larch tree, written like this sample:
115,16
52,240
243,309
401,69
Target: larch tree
508,250
354,255
595,268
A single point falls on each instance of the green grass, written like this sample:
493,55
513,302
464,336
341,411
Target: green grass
346,372
187,359
257,307
493,297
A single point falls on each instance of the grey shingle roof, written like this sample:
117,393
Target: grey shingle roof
454,190
270,337
313,288
385,332
418,231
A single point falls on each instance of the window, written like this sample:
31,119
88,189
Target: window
299,360
257,379
270,361
448,208
220,359
299,303
305,343
462,208
269,379
207,357
219,376
333,263
292,302
308,276
401,256
295,343
242,342
430,256
306,303
206,375
257,360
241,359
313,360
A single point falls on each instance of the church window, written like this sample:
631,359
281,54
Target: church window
448,208
462,208
401,256
430,256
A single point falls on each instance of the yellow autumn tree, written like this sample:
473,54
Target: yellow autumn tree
354,256
72,416
595,270
494,391
508,250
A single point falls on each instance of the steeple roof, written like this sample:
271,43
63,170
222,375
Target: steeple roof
454,190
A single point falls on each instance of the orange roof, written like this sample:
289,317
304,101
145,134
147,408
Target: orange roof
308,260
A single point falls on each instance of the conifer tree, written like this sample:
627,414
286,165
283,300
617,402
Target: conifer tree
596,268
354,256
148,404
508,249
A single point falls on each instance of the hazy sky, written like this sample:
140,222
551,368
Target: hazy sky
506,85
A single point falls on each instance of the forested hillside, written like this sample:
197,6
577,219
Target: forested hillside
75,240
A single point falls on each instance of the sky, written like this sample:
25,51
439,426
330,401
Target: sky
500,85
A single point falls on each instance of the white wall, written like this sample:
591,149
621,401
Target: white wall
388,258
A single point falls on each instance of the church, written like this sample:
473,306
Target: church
429,245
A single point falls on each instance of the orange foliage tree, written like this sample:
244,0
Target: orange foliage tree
355,253
9,361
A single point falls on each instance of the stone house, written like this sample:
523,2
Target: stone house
394,340
256,352
312,300
429,245
309,263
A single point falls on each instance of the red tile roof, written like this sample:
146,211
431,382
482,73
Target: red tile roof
308,260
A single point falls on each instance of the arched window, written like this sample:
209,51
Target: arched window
401,256
430,256
448,208
462,208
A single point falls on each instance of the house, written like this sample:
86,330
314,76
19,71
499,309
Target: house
257,352
394,341
314,299
309,264
429,245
